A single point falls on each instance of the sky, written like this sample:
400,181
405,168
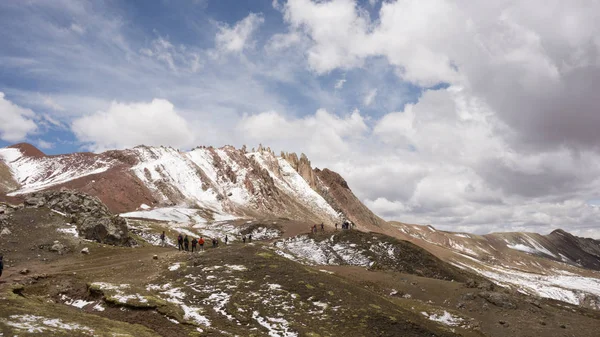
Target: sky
469,116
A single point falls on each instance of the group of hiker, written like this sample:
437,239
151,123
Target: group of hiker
345,225
314,228
183,242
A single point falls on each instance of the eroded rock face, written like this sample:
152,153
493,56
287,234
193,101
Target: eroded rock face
93,219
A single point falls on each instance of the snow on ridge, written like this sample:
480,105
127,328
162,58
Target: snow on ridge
530,245
34,174
158,166
564,287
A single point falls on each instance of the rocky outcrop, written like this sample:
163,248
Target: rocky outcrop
336,192
93,219
303,166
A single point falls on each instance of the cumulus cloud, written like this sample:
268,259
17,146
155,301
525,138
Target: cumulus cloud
126,125
536,71
323,133
16,123
239,37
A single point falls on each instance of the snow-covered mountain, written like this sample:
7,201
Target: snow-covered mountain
218,182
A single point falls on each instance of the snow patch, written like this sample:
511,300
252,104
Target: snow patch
446,318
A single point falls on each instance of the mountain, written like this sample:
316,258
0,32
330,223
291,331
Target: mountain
558,266
219,182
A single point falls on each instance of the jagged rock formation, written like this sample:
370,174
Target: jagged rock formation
303,167
93,219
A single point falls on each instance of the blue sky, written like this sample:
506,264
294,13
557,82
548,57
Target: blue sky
468,116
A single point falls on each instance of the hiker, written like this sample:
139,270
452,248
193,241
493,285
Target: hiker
244,238
180,242
201,243
322,227
249,237
216,242
1,264
194,243
314,229
186,243
162,239
226,239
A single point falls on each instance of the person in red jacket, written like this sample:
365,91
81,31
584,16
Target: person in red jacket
201,243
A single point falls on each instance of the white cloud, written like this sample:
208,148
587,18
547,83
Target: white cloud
16,123
126,125
340,83
239,37
530,68
323,133
77,28
176,58
370,97
42,144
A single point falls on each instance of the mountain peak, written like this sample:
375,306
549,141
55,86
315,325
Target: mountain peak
28,150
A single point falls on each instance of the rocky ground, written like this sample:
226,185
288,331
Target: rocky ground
285,283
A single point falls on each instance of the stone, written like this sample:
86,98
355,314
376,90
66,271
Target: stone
5,231
34,201
58,247
24,271
155,257
108,230
85,250
498,299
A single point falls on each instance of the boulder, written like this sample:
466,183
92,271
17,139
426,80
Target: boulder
85,250
108,230
35,201
58,247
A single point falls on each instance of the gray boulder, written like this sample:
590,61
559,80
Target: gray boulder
108,230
